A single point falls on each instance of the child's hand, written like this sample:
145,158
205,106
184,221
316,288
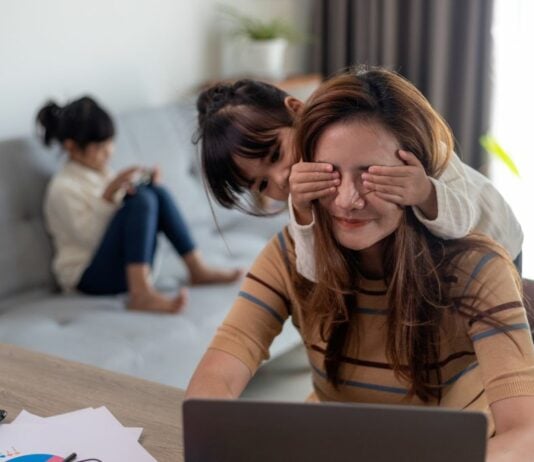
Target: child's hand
123,180
156,175
403,185
309,181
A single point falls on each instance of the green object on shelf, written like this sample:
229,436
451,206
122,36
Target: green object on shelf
259,29
492,146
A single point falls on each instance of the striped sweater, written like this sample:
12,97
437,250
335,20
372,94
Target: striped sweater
479,363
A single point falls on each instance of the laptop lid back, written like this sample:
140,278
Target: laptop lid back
259,431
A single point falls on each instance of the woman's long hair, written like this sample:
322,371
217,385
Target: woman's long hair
415,262
242,118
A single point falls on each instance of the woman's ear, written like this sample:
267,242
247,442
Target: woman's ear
293,104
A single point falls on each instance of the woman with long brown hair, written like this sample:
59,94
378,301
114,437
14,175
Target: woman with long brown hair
397,315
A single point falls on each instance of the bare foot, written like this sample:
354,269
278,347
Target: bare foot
212,275
154,301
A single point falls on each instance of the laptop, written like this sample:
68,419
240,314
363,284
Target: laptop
261,431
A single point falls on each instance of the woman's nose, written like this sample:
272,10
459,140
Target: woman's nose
348,196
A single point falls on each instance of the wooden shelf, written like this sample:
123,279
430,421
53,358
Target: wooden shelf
300,86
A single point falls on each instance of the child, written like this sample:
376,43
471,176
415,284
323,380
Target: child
104,225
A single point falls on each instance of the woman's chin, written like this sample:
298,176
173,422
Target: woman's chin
354,242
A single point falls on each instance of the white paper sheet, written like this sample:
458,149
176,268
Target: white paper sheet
90,433
102,413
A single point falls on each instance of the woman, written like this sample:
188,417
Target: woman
398,315
104,227
247,132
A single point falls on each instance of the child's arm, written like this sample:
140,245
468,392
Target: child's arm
304,244
444,205
308,181
72,212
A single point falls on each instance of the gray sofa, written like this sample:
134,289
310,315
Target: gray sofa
99,330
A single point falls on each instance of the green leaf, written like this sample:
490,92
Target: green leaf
258,29
491,145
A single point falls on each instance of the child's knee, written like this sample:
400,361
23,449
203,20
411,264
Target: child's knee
160,190
144,199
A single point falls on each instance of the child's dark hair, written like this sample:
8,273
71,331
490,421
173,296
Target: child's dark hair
83,121
244,119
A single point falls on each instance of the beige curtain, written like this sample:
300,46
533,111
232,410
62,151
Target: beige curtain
442,46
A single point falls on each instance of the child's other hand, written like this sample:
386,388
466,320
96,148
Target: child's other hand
309,181
403,185
123,180
156,175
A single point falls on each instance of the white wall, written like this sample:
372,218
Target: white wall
127,53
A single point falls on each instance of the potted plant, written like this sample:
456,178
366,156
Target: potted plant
264,44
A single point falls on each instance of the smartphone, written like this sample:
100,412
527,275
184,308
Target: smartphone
146,176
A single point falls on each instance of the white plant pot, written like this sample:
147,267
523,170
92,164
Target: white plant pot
264,59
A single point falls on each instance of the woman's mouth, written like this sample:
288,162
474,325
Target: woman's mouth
350,223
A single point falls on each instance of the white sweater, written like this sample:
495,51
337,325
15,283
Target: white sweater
76,217
467,202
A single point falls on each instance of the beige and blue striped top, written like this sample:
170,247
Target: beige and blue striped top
480,364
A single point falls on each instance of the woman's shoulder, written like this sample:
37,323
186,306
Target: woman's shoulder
282,244
478,259
276,262
278,254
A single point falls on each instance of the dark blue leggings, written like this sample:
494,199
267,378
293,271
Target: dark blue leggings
131,237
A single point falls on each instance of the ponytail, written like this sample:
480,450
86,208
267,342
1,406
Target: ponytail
48,118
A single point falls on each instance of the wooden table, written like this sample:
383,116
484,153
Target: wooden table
46,385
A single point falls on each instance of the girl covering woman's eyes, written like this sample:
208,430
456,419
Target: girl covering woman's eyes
246,133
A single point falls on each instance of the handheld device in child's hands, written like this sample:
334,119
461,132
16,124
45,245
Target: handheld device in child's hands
145,177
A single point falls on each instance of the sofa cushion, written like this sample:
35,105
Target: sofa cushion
101,332
162,136
25,252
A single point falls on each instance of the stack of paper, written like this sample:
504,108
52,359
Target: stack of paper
93,434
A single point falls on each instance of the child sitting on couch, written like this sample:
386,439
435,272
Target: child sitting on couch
105,225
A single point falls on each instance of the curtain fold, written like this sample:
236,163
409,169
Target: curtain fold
443,46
